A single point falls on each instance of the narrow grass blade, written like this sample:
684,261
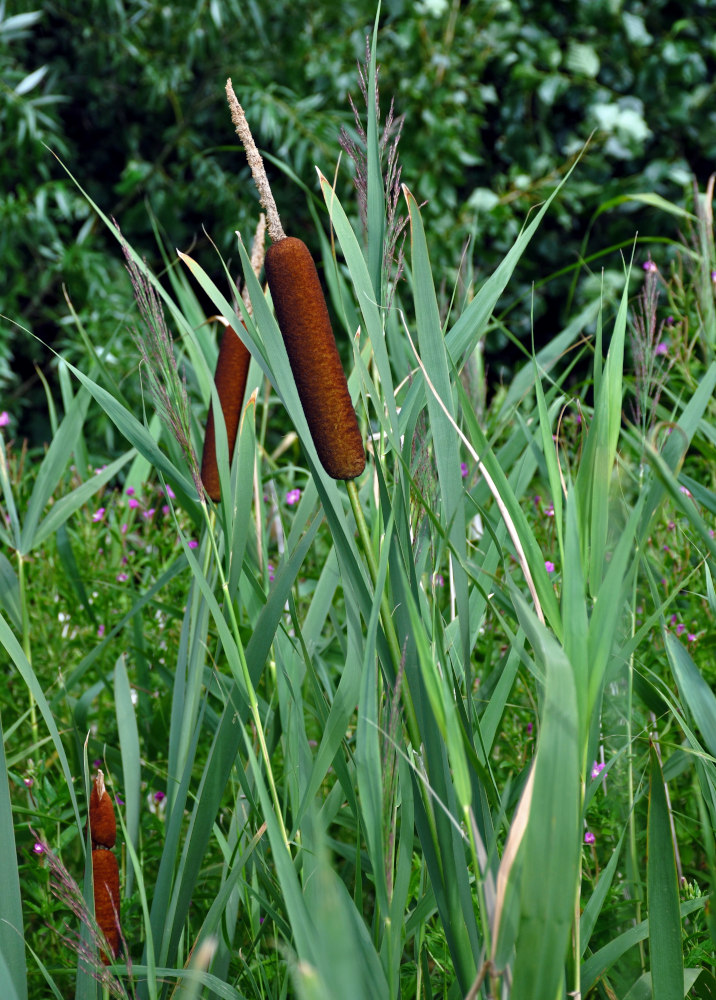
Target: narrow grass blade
601,961
593,907
375,195
12,939
643,988
10,592
695,693
137,434
16,654
552,839
665,953
52,467
129,749
445,441
66,506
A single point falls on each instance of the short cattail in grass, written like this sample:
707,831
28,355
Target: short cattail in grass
105,871
305,325
232,369
103,823
105,876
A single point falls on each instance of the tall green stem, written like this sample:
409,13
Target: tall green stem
26,646
385,612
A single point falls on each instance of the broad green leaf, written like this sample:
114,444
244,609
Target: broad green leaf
550,872
52,467
129,749
13,972
665,952
695,693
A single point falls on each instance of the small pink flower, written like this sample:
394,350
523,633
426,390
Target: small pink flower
100,631
29,782
165,509
98,514
124,529
691,636
661,348
159,796
438,580
4,418
685,491
649,266
549,510
148,513
193,543
549,566
529,728
293,496
129,491
133,503
170,493
122,577
589,837
38,848
463,469
271,572
96,763
680,628
597,769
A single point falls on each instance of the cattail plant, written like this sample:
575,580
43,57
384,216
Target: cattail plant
232,370
105,871
305,325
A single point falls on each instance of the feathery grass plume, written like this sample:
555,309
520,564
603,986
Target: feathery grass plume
157,350
305,325
232,370
90,953
649,351
395,232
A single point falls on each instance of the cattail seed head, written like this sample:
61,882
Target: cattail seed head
103,824
232,369
305,325
105,875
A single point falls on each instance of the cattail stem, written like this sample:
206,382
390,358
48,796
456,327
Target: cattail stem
385,613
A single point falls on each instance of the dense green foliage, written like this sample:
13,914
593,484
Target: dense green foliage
447,730
498,98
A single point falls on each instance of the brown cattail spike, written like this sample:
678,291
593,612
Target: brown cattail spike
103,824
304,322
105,875
232,369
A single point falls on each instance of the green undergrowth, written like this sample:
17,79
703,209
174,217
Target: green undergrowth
448,731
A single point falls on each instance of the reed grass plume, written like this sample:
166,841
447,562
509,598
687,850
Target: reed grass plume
388,143
156,348
88,949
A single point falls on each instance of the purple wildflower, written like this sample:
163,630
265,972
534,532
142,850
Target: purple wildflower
98,514
589,837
